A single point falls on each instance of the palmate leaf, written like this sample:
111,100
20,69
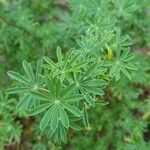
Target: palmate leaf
7,104
121,64
29,82
88,87
64,67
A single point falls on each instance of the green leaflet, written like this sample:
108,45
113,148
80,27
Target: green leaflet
23,102
113,70
72,61
59,56
125,72
39,109
94,83
90,71
58,86
74,110
88,98
28,70
130,67
68,90
40,96
16,76
50,132
63,133
94,90
51,85
56,136
102,102
38,70
46,118
16,90
50,62
67,57
85,117
54,117
73,98
75,126
64,117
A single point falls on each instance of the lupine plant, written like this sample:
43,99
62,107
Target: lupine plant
60,90
85,70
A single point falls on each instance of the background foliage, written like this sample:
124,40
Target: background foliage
88,32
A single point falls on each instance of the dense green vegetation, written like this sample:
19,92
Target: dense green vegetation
74,74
